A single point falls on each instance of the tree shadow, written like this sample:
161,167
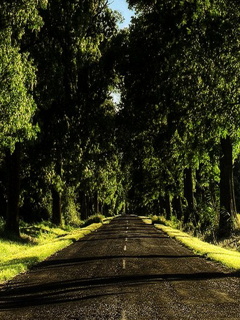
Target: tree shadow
58,292
20,294
118,237
27,260
59,263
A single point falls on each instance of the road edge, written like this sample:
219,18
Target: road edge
227,257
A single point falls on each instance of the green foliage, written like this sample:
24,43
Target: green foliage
180,98
207,224
62,56
71,208
97,218
173,223
17,105
177,68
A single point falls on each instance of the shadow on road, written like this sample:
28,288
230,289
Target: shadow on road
78,276
68,262
89,288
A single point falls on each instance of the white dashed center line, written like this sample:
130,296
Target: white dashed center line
123,315
125,248
124,264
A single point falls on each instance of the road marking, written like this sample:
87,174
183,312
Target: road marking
124,264
125,248
123,315
126,239
127,228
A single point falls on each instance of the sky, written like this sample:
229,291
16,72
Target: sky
122,7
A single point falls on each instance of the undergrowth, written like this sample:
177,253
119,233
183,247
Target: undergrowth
204,229
97,218
174,222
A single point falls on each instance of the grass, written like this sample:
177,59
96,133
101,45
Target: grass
174,223
229,258
38,242
147,220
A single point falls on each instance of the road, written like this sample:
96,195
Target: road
126,270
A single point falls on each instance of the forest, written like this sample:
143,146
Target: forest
170,147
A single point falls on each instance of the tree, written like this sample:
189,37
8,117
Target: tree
75,77
16,94
176,88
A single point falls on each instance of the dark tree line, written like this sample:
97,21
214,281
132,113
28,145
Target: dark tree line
59,157
169,148
180,109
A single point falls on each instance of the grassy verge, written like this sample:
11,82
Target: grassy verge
38,242
229,258
147,220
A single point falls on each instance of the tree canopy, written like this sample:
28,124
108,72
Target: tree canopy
168,147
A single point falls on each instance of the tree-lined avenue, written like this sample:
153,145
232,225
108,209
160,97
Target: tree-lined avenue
125,270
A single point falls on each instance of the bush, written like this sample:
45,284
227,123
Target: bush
97,218
174,222
71,208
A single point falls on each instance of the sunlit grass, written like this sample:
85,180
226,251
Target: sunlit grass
17,257
173,222
108,220
147,220
229,258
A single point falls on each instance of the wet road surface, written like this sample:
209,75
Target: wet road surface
126,270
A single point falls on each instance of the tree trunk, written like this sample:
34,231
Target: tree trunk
212,190
168,207
199,195
13,192
56,207
83,208
105,210
96,203
227,196
89,205
100,207
188,193
162,205
56,197
177,207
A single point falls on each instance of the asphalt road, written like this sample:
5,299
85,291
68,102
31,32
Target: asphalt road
126,270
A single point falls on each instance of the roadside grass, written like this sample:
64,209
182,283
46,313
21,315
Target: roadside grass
227,257
37,242
174,223
147,220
